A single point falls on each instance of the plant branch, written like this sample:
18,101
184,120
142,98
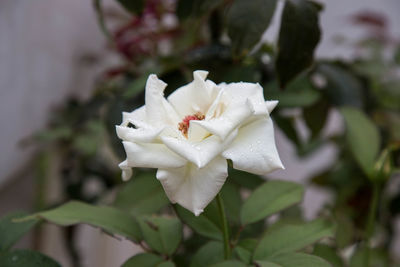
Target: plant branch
225,233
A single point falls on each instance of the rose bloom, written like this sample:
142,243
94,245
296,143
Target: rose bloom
190,135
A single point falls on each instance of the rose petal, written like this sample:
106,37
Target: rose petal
194,97
142,135
148,155
225,124
271,105
138,116
126,170
242,100
196,132
191,187
158,110
199,153
242,91
254,148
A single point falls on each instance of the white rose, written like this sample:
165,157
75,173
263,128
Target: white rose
189,136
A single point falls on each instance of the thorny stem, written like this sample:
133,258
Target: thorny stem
225,233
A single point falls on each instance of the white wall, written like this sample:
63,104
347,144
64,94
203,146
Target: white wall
41,43
335,21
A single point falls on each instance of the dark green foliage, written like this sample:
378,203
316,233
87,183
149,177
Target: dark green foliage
286,238
343,88
298,37
315,116
208,254
11,231
299,93
111,220
278,194
187,9
247,21
142,195
144,260
329,254
133,6
24,258
363,138
163,234
206,224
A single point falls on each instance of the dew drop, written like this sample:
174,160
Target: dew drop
251,148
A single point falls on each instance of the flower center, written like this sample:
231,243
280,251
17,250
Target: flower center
184,125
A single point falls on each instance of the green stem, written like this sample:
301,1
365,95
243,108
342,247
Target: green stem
373,210
225,233
371,219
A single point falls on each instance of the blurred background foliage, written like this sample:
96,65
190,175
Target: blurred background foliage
174,38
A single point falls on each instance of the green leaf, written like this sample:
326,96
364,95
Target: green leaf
162,234
142,195
245,179
329,254
187,9
287,125
247,21
253,230
109,219
166,264
133,6
375,257
248,72
363,138
342,87
229,263
315,117
291,237
231,197
210,253
244,249
143,260
203,6
299,93
267,264
298,37
11,232
203,224
271,197
24,258
299,260
345,231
